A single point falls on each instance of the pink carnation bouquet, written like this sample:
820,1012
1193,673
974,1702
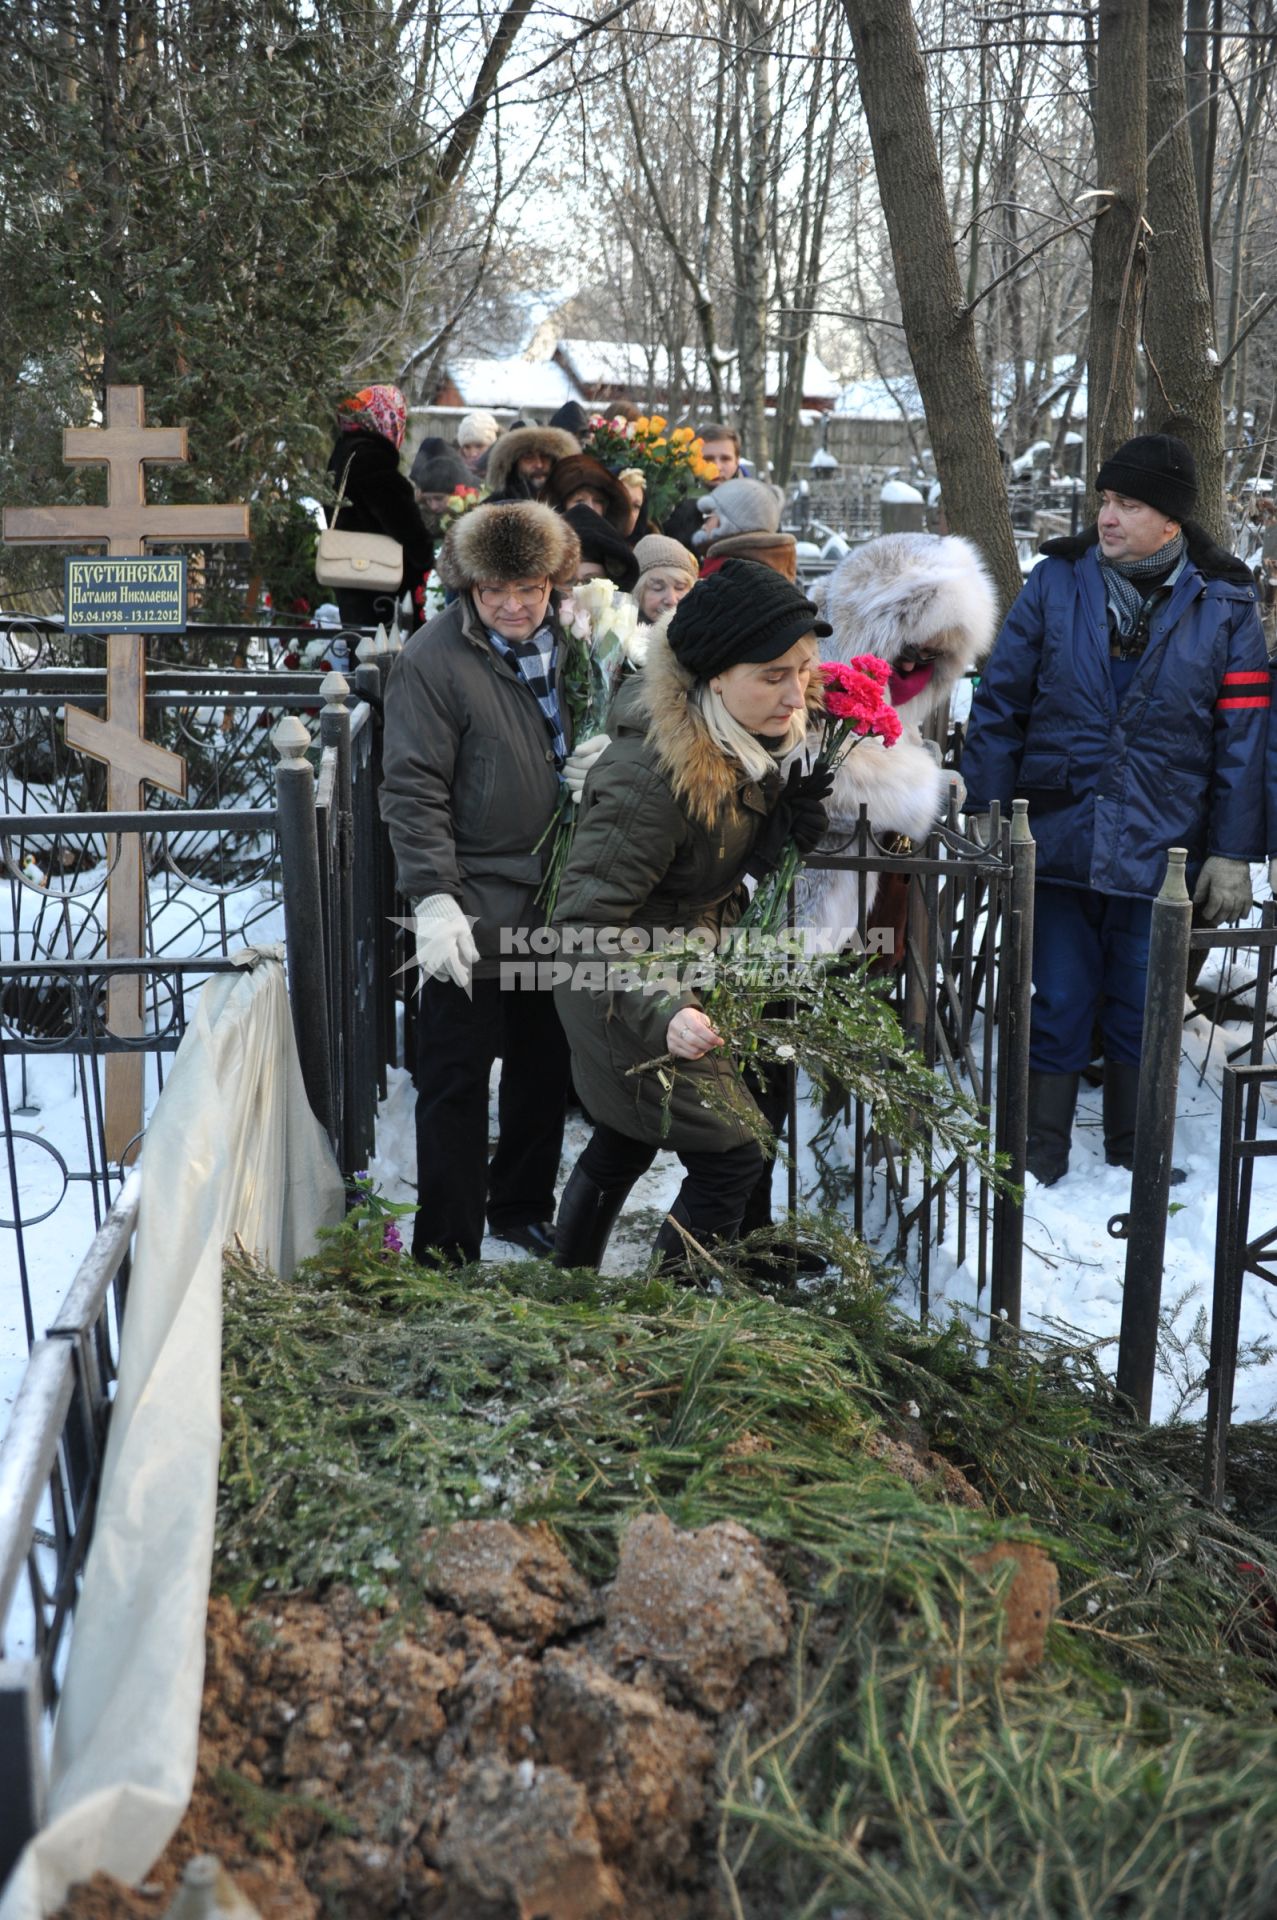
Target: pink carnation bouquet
856,705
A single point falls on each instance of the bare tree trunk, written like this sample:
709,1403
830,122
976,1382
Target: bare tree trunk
939,328
753,278
696,283
1179,326
1201,123
1117,248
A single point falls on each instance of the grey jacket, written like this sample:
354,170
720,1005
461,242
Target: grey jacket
470,785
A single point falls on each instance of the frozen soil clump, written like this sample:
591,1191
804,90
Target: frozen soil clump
525,1747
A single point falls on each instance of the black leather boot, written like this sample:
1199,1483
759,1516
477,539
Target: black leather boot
1121,1098
585,1219
674,1258
1052,1103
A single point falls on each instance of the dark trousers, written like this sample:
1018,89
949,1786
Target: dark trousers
458,1038
713,1193
1090,952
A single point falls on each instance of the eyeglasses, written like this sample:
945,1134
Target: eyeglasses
526,596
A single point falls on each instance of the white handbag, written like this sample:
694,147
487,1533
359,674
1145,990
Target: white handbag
370,561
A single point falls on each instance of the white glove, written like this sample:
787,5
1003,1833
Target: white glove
1223,889
1272,876
581,759
957,787
445,944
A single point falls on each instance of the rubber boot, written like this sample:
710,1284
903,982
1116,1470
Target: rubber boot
1052,1103
585,1219
1121,1102
1121,1097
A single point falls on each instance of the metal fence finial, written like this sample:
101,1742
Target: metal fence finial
335,689
291,739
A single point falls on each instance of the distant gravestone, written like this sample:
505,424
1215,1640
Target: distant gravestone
126,446
902,507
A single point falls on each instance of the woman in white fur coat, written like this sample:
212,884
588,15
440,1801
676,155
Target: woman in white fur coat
924,602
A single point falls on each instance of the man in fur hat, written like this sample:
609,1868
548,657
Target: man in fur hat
1127,700
519,464
478,745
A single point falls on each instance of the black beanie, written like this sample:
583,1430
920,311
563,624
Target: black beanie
1156,468
745,611
440,471
604,545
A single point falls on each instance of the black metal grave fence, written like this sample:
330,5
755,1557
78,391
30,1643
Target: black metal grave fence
333,883
960,983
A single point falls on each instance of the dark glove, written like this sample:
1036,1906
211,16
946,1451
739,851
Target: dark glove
799,815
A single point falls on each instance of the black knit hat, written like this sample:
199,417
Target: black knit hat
604,545
1156,468
745,611
440,472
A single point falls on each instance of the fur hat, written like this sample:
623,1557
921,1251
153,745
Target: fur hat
512,446
478,429
742,506
658,550
519,540
602,543
923,601
583,470
1156,468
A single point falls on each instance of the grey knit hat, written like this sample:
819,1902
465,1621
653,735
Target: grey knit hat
744,506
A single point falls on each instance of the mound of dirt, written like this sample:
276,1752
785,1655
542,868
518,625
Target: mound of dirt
523,1748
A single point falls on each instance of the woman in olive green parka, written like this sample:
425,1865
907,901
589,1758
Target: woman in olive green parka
684,803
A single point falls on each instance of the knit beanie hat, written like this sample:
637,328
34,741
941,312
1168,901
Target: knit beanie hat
478,428
1156,468
440,472
742,612
658,550
744,506
604,545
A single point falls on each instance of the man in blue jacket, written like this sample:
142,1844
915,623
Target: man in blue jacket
1127,701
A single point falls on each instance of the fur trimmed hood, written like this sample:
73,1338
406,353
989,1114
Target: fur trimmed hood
519,539
511,447
700,774
906,595
702,777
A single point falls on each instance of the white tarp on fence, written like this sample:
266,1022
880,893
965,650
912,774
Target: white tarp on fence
232,1150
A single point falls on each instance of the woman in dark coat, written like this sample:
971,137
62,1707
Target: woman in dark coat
376,497
683,804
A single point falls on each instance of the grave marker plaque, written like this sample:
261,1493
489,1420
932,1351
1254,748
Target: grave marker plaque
126,446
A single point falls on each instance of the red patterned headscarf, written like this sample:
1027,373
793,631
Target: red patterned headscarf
380,410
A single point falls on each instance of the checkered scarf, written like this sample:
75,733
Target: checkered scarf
533,660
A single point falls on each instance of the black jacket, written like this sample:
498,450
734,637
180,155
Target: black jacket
378,498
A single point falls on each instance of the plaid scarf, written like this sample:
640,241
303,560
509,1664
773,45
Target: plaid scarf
533,660
1124,580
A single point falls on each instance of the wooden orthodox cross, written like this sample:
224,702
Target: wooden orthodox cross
126,446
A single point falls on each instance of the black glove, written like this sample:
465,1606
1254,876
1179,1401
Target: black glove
799,815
